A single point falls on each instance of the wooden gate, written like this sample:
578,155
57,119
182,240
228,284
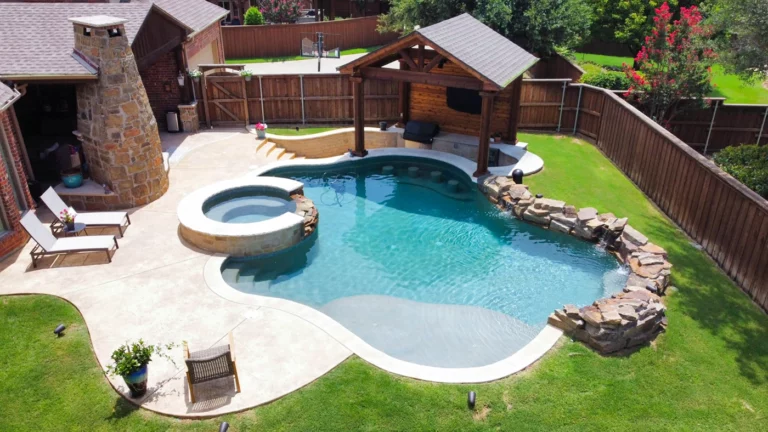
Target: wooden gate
226,100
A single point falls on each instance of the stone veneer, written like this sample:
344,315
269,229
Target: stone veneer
624,321
189,118
115,120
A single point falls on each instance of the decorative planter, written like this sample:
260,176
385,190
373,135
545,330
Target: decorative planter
72,178
261,134
247,78
196,79
137,382
70,226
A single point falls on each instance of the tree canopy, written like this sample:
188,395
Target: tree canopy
625,21
540,26
743,29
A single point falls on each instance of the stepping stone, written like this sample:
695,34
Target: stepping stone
413,171
387,169
437,176
453,185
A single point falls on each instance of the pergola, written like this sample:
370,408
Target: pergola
489,63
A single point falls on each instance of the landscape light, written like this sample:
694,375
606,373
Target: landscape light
224,427
471,400
59,330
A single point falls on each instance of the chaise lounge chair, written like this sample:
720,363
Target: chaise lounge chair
118,219
210,364
47,244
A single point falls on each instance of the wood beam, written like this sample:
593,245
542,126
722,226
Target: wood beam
422,78
404,98
420,64
514,109
485,133
408,60
358,89
432,63
150,58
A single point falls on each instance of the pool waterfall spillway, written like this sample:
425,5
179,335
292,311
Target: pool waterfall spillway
247,217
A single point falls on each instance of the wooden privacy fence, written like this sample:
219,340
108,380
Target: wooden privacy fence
285,40
294,99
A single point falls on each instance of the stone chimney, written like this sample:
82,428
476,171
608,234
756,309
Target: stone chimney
115,121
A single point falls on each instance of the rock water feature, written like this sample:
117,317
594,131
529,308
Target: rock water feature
623,321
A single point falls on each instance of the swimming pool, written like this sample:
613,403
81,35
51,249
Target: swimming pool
410,257
247,205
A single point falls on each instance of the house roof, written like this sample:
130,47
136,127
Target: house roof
471,44
196,14
38,39
6,96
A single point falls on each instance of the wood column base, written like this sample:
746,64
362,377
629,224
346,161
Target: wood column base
364,153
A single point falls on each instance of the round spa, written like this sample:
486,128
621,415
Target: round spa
247,217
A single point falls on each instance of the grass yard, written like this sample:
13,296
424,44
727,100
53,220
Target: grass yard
727,85
294,58
708,372
302,130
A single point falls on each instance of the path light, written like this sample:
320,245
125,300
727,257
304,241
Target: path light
471,400
224,427
59,330
517,176
539,196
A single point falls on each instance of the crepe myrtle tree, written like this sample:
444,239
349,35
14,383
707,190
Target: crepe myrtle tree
675,65
280,11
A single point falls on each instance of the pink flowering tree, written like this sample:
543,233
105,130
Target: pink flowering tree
280,11
674,66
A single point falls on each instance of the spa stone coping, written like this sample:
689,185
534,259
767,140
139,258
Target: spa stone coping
528,162
518,361
463,164
190,210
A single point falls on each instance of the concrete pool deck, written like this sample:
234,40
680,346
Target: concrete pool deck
156,289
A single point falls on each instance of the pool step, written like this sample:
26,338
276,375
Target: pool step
287,156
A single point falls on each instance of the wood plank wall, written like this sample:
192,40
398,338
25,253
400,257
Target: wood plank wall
285,40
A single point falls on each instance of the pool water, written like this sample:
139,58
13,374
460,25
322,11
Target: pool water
246,205
423,271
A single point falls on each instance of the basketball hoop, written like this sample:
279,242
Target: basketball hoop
315,45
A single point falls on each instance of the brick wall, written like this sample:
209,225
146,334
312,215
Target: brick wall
16,237
212,34
158,80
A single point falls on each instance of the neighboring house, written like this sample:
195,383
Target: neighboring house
96,78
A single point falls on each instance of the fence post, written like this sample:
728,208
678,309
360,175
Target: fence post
562,103
711,123
762,127
303,118
578,106
261,99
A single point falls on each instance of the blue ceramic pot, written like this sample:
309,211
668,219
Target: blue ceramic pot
261,134
72,180
137,382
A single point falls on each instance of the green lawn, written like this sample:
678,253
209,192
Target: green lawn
709,372
726,85
292,58
301,131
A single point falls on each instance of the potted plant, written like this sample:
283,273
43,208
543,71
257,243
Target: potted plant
130,362
68,219
261,130
245,73
195,74
72,177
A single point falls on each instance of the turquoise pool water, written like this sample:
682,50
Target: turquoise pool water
247,205
423,272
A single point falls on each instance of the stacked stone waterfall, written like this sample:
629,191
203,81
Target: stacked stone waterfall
626,320
115,121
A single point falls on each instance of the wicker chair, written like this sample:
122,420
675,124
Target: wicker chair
210,364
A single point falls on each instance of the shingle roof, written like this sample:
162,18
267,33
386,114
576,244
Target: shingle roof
6,95
38,39
480,48
197,14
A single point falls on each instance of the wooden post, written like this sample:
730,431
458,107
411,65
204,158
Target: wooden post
514,109
204,91
485,133
404,97
358,96
245,100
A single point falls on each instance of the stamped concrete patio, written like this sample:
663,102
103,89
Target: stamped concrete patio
154,289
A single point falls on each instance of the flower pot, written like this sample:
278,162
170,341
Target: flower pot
70,226
72,179
137,382
262,134
248,78
196,79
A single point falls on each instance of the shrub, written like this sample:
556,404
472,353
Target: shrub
281,11
253,16
608,80
748,164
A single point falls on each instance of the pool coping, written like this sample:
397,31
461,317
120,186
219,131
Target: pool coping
518,361
463,164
